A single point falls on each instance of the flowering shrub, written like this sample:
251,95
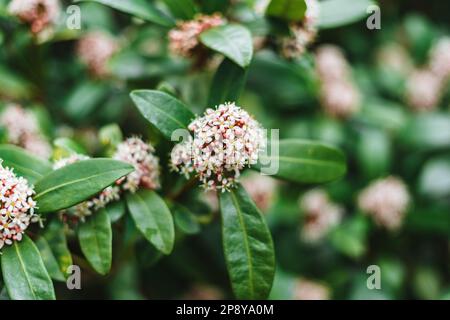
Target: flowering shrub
198,149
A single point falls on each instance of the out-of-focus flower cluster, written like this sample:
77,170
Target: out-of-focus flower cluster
16,206
23,130
184,39
39,14
339,96
225,141
303,33
305,289
386,200
320,215
261,189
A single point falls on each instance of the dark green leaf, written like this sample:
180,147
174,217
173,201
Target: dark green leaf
56,239
227,84
289,10
77,182
336,13
95,236
24,272
162,110
50,262
305,161
247,246
233,41
115,210
152,218
25,164
182,9
185,220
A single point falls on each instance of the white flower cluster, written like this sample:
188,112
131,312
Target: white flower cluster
305,289
393,57
304,32
184,39
386,200
39,14
16,206
225,141
320,215
23,130
260,188
146,165
424,87
339,96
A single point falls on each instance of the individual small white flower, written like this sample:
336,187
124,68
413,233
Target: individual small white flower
386,200
423,90
39,14
16,206
304,32
320,214
305,289
439,60
23,130
226,140
146,165
184,39
260,188
95,49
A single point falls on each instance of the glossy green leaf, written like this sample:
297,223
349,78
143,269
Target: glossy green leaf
77,182
25,164
49,259
227,84
162,110
95,236
248,246
336,13
182,9
289,10
152,218
24,272
139,8
304,161
56,239
233,41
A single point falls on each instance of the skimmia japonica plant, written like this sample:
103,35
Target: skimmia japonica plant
183,137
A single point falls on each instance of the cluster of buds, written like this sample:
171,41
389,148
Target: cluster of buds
95,49
303,33
39,14
184,39
320,213
260,188
23,130
339,96
226,140
203,292
305,289
16,206
424,87
386,200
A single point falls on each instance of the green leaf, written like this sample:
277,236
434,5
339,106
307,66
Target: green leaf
68,146
115,210
434,180
227,84
24,272
95,236
25,164
248,246
351,237
304,161
289,10
84,99
185,220
50,262
233,41
336,13
182,9
13,86
152,218
56,239
162,110
374,152
77,182
139,8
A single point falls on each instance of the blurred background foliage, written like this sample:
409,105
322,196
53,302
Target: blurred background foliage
385,137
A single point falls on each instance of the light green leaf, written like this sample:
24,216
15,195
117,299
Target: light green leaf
50,262
336,13
95,236
434,180
289,10
304,161
68,146
248,246
162,110
77,182
24,272
139,8
233,41
152,218
25,164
